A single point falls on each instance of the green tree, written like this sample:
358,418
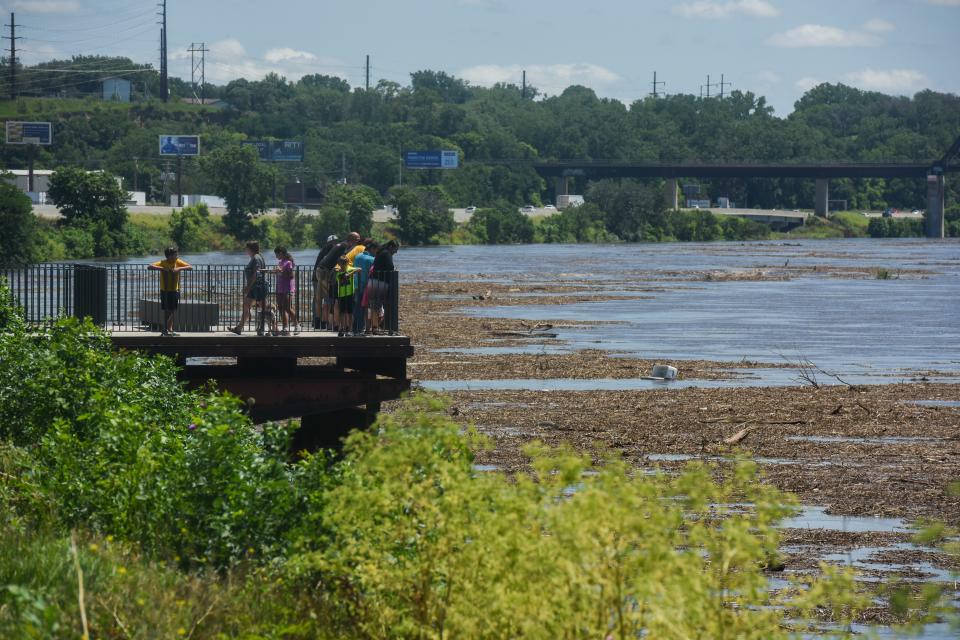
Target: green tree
359,202
96,203
187,227
503,225
18,244
245,184
422,213
330,221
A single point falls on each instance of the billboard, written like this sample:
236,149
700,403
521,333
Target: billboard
179,145
29,132
262,147
286,151
277,150
431,159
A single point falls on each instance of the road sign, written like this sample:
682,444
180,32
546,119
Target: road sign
277,150
29,132
262,147
179,145
431,159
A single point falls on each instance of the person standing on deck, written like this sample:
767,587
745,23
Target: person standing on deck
254,289
363,262
320,283
327,279
169,268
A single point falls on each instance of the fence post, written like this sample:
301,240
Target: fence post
394,306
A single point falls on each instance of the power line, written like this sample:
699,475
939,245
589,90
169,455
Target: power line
722,85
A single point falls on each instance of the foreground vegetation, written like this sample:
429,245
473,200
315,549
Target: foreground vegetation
132,508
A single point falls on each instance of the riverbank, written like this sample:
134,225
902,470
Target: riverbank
866,459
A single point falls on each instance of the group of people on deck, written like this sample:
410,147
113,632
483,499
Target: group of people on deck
349,278
350,286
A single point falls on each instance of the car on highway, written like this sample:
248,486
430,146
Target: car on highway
528,209
549,207
470,209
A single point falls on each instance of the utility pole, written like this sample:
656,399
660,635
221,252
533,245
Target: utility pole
13,37
523,91
368,73
656,85
723,84
709,86
164,88
343,168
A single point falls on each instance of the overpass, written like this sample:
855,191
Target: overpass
933,171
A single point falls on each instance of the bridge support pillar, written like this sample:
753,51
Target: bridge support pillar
560,186
670,194
934,218
821,206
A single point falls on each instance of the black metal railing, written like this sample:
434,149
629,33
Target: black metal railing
126,297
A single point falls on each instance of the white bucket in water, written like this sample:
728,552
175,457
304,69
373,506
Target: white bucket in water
664,372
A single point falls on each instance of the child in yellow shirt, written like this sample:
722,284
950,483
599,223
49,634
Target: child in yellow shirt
169,268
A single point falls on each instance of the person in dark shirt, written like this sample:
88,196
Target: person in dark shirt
319,316
379,286
326,279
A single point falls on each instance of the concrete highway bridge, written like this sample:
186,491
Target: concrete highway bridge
932,172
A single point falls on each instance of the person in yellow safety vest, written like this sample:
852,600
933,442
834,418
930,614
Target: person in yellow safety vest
346,284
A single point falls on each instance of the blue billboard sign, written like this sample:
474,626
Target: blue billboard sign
179,145
286,151
262,147
431,159
29,132
277,150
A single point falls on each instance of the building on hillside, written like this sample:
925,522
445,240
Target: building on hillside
116,89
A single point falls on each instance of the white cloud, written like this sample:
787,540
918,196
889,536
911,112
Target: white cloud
46,6
713,10
549,78
806,83
818,35
286,54
888,80
878,25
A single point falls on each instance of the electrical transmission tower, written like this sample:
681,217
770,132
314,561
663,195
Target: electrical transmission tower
202,67
13,37
164,88
656,85
723,84
708,86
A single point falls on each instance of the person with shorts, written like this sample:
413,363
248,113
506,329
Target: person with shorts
327,279
254,288
169,268
321,279
286,288
346,287
378,288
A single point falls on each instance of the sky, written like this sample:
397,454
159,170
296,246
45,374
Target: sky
775,48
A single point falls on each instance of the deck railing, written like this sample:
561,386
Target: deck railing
126,297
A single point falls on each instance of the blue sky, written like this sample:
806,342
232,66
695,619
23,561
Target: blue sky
776,48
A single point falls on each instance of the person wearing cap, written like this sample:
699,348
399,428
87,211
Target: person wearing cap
321,280
327,279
